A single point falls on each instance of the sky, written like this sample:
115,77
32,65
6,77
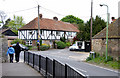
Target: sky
59,8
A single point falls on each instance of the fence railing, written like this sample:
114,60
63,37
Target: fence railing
51,68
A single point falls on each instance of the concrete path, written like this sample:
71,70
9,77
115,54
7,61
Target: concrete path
18,69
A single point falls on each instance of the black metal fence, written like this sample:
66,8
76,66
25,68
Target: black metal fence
51,68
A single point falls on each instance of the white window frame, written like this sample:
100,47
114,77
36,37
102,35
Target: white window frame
29,43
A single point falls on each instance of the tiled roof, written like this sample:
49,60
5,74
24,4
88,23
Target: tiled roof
113,31
3,30
50,24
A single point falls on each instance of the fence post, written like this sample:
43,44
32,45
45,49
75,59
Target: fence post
65,71
53,68
24,56
33,59
39,63
28,58
46,66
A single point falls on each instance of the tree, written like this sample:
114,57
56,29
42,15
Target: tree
2,17
6,23
84,28
16,23
72,19
98,25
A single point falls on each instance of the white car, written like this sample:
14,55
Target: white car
79,45
73,47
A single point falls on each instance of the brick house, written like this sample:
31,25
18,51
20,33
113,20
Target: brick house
99,40
50,30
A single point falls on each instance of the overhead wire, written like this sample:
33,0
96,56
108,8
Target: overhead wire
21,10
48,11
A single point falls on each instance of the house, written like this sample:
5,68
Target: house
99,40
9,34
50,30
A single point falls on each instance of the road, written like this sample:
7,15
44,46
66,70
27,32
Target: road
75,59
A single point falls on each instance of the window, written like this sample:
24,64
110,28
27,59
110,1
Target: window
57,33
70,33
29,42
42,32
30,32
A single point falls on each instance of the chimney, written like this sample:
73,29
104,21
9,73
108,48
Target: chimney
113,19
55,18
40,16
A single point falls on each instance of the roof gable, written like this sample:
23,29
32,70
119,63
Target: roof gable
8,32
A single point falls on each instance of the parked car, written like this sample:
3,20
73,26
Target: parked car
79,45
23,47
73,47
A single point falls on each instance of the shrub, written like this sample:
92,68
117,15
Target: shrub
40,42
97,55
109,58
17,40
44,44
44,47
62,39
61,45
68,44
88,59
29,47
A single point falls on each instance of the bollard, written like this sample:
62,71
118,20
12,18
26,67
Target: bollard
92,54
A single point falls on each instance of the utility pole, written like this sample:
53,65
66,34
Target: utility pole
38,25
38,41
91,25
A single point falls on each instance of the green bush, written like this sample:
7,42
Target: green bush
29,47
109,58
44,47
62,39
61,45
68,44
88,59
17,40
40,42
97,55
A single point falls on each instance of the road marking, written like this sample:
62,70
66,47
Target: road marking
81,70
104,68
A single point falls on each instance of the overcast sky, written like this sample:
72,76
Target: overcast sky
59,8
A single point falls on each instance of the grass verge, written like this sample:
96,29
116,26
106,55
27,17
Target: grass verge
101,60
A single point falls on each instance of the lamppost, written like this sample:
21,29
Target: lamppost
106,31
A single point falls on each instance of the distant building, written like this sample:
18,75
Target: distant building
9,34
99,40
50,30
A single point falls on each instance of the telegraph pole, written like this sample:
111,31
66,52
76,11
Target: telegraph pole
38,41
91,24
38,25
